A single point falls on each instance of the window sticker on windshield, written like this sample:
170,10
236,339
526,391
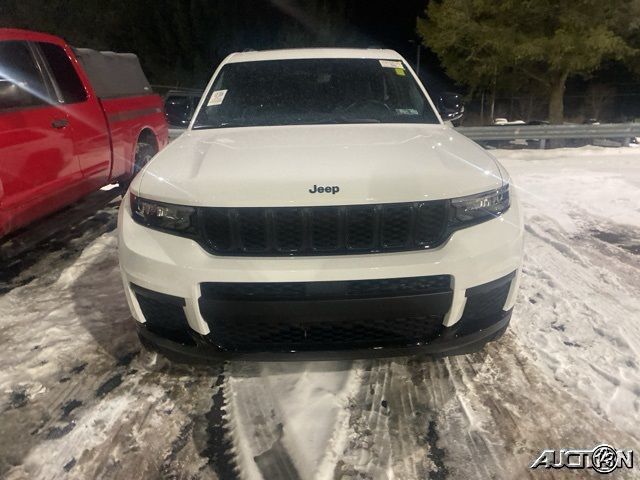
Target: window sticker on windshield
216,97
406,111
400,72
392,64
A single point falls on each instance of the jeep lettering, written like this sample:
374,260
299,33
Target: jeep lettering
316,189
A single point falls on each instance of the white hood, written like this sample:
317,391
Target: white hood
277,166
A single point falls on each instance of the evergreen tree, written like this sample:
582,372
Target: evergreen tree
489,44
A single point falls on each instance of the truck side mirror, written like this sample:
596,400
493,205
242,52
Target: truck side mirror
451,107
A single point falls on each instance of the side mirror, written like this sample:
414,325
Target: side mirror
451,107
179,109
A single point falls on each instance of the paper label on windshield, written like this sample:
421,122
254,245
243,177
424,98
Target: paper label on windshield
216,97
391,64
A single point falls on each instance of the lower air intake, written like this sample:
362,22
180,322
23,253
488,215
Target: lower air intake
330,315
164,314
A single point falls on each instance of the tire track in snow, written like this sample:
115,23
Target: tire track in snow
281,417
391,430
219,450
256,427
479,416
145,427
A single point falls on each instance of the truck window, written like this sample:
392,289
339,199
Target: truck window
65,75
21,84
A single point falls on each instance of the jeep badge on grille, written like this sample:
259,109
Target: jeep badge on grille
332,189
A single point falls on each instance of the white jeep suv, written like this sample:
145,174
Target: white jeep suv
317,202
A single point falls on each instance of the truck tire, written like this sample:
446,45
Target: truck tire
144,152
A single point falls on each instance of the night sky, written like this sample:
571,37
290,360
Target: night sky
181,41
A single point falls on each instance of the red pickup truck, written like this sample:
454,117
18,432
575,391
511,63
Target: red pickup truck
71,121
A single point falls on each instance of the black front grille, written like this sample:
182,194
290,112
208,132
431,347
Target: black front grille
324,230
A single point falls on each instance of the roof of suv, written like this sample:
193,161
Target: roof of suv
297,53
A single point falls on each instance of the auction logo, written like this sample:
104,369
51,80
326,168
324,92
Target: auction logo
602,459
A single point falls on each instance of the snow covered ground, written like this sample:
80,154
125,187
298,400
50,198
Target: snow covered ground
80,399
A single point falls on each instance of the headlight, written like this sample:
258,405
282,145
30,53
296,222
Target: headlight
177,219
480,207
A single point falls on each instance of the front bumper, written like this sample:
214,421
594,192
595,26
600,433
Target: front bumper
452,342
165,268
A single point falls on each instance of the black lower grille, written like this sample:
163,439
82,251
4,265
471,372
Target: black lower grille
331,315
255,334
324,230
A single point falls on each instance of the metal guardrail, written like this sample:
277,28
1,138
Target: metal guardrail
622,131
541,133
168,88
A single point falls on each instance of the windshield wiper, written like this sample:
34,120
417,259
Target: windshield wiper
358,120
324,121
221,125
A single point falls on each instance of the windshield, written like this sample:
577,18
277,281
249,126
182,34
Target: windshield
314,91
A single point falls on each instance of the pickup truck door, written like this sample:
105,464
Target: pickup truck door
37,161
87,120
